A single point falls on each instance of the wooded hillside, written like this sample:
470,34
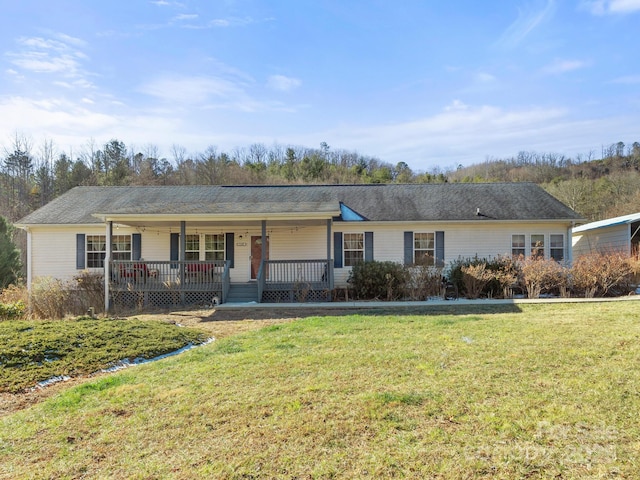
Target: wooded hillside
33,174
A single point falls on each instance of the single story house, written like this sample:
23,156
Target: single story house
188,244
610,235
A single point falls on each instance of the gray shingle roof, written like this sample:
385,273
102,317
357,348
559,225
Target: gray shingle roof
422,202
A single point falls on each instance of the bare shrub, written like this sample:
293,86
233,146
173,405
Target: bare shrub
601,274
49,298
423,281
90,292
15,294
539,275
475,278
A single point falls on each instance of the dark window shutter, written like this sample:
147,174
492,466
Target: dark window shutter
408,248
175,249
337,249
368,246
80,251
229,248
136,246
439,249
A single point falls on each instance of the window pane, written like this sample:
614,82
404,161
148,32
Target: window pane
192,242
121,243
537,245
353,248
517,241
424,241
556,241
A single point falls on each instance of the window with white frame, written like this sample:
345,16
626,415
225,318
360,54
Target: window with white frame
518,245
353,244
206,247
537,246
214,247
192,247
424,248
96,249
556,246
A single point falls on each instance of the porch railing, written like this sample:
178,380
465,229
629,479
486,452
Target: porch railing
172,277
295,277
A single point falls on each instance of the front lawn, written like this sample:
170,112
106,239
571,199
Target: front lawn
36,351
528,391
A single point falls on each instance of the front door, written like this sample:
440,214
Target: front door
256,255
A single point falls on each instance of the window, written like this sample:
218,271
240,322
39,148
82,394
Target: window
97,249
353,248
424,245
537,246
214,247
517,245
192,247
121,247
556,246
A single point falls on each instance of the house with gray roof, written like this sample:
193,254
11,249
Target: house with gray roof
164,245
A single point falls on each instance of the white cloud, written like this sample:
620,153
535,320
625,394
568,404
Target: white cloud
627,80
59,55
484,77
564,66
604,7
283,83
528,20
186,16
192,90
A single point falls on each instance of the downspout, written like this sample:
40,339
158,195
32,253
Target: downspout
29,261
107,266
570,243
29,270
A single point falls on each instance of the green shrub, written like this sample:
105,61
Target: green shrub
378,280
12,311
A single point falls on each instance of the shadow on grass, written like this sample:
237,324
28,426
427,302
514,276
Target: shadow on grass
303,311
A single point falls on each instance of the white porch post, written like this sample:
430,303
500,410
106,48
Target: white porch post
264,240
107,259
182,256
329,264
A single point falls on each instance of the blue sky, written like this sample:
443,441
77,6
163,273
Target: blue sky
432,83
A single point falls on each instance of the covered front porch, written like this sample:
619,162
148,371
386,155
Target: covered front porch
273,261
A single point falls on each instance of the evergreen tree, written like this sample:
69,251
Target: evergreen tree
9,255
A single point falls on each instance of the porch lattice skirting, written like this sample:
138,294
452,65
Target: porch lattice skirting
142,284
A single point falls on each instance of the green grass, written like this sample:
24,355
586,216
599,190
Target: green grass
537,391
34,351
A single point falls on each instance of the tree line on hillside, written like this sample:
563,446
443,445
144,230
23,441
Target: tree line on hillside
597,188
32,175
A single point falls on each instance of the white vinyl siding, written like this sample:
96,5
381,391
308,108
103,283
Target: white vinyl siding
54,252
